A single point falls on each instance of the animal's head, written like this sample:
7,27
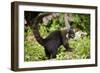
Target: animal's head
70,34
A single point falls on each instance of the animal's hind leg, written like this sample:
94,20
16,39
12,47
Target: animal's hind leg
47,53
54,52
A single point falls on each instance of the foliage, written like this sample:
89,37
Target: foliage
33,51
54,24
81,49
81,46
63,54
82,21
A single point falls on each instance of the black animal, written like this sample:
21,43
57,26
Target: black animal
54,40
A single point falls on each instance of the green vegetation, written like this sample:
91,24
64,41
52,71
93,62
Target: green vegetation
33,51
81,46
81,49
82,21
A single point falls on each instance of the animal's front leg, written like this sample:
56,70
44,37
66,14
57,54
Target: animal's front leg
67,47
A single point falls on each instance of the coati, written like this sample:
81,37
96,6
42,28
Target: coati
54,40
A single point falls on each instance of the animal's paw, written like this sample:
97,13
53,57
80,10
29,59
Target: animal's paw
70,49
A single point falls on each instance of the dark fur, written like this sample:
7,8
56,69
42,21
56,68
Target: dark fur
52,42
55,40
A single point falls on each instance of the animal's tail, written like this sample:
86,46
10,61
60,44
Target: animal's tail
35,27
